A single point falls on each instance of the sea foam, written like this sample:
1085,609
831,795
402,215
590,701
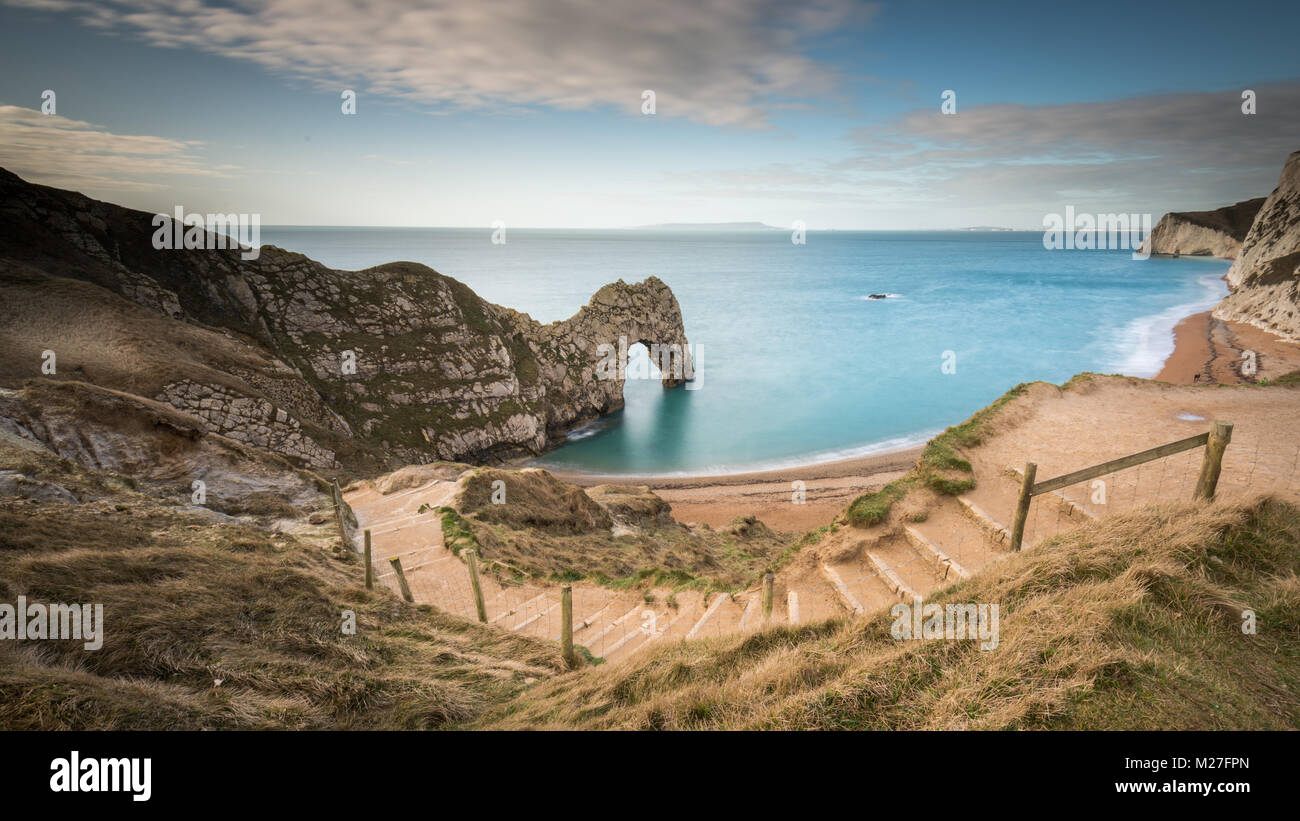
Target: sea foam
1144,345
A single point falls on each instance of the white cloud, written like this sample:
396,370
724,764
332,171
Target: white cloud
53,150
721,62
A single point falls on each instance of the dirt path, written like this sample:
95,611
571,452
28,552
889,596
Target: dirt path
864,570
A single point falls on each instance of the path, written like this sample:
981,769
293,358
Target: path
863,571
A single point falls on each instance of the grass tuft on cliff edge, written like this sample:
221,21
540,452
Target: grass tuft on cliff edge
940,466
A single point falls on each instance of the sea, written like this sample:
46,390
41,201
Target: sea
796,363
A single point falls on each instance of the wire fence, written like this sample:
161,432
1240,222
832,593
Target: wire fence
1252,466
953,541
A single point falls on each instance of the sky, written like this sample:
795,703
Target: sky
531,112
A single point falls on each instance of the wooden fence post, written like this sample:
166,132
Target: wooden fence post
566,623
370,570
767,596
401,579
337,497
1212,464
1022,505
471,559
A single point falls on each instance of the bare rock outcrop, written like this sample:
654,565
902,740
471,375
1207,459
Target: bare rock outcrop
1217,233
1265,279
365,370
110,432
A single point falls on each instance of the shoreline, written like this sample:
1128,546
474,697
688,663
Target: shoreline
768,494
856,466
1207,351
1210,351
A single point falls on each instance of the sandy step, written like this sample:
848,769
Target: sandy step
950,529
397,522
895,582
690,607
985,521
716,604
601,637
992,504
647,628
667,624
593,614
590,615
847,595
816,596
858,587
371,507
949,568
752,615
912,567
544,622
793,616
515,607
726,618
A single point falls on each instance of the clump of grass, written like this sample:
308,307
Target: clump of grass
872,508
456,532
1292,378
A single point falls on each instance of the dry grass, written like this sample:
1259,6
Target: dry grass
674,557
102,338
187,603
553,530
1131,623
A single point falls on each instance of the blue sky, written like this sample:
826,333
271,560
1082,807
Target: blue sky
529,112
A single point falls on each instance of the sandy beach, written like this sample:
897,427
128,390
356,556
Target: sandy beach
1206,351
1210,351
717,500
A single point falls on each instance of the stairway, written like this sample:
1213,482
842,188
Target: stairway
959,537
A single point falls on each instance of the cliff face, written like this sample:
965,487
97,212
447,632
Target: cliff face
369,369
1217,233
1265,279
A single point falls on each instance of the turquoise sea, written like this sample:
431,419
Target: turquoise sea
795,364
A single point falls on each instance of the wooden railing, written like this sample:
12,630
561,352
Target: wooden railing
1215,441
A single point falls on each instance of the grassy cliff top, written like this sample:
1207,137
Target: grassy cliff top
1132,623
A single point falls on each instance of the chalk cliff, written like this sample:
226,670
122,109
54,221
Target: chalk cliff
368,370
1265,279
1217,233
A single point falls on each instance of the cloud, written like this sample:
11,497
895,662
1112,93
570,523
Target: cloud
57,151
1189,149
720,62
1012,163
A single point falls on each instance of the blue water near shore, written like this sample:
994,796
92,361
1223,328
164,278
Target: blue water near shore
796,365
